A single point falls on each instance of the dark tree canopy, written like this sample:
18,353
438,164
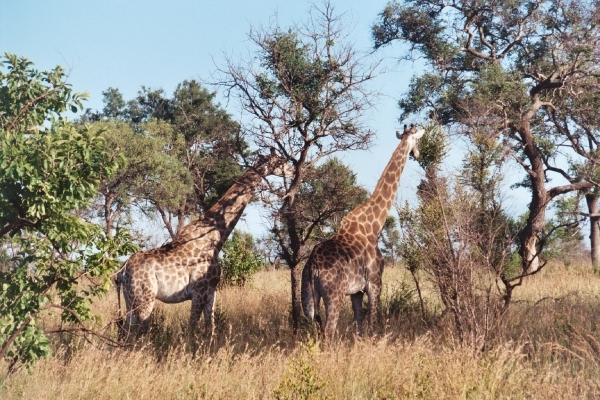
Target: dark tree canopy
525,73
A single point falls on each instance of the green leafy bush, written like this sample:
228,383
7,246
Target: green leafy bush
49,171
239,259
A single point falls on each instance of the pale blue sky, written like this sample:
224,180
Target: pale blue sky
126,44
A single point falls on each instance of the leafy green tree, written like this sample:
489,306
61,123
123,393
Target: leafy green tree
327,193
146,170
526,71
201,149
389,241
240,259
304,95
563,236
49,171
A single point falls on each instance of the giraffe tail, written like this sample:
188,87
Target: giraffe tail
118,276
118,285
309,304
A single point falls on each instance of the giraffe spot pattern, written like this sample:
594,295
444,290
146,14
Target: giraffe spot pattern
350,262
187,268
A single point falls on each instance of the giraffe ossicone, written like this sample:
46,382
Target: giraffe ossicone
188,267
350,263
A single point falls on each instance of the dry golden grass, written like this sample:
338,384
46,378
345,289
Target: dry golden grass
548,348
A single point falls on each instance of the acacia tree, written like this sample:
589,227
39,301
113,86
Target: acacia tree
389,240
193,145
54,262
521,69
146,170
327,193
304,96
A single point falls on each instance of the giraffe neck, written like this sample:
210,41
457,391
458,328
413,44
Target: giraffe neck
372,214
224,215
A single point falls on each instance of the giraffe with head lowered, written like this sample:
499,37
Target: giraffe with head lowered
350,263
188,267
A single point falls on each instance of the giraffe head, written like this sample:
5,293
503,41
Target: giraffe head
412,135
273,164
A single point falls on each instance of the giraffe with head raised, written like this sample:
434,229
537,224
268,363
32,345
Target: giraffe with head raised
350,263
187,268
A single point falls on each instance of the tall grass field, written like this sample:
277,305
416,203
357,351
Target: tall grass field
548,347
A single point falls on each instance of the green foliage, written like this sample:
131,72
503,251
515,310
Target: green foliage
49,171
433,146
493,83
239,259
146,169
481,167
389,240
295,74
417,25
301,380
327,193
28,98
562,235
193,148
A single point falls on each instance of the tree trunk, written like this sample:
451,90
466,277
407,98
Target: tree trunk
539,196
592,203
292,255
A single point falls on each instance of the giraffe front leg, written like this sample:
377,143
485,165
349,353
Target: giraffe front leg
357,307
374,291
373,295
198,304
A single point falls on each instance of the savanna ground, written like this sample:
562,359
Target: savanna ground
548,348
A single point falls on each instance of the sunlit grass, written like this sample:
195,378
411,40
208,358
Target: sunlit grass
548,347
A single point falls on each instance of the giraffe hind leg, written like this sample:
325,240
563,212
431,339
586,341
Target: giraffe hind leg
373,296
317,316
357,307
137,320
332,314
374,293
144,311
209,313
137,316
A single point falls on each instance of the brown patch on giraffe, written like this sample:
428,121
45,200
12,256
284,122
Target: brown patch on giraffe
386,191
